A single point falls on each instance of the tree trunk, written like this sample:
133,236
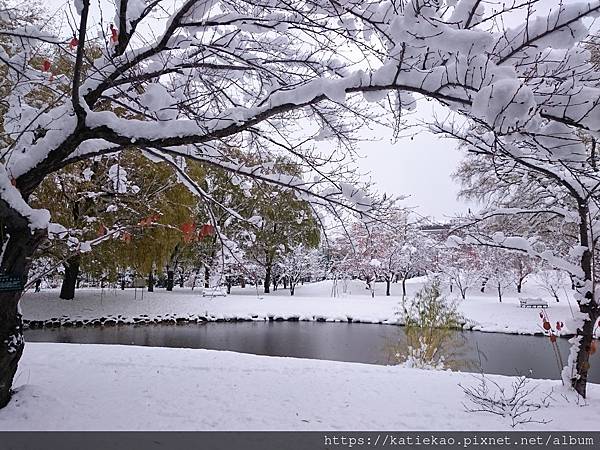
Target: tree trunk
585,334
499,292
67,290
267,284
170,279
16,261
285,283
171,266
181,280
587,306
150,282
292,288
195,278
519,286
206,277
11,342
388,282
404,287
243,282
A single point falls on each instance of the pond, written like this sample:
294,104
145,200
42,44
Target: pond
504,354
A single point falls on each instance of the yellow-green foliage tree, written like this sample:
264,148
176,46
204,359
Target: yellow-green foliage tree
141,221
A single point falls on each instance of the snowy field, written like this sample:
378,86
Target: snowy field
105,387
312,302
109,387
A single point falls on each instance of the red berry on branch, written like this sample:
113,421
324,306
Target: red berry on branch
547,325
206,230
46,65
102,230
74,43
114,34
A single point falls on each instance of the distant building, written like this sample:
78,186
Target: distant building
436,229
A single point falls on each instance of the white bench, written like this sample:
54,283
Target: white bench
214,292
533,303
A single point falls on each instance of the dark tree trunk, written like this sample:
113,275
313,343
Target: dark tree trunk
388,282
519,286
228,281
170,279
285,283
267,284
195,278
292,288
67,290
404,287
181,280
150,282
483,283
206,277
589,307
586,333
11,342
16,261
499,292
171,266
243,282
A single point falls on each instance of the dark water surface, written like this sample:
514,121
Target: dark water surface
497,353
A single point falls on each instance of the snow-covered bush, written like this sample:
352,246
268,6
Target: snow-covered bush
516,403
430,320
424,356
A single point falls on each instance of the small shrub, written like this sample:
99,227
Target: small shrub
515,403
430,320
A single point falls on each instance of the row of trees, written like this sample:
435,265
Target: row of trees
154,227
400,249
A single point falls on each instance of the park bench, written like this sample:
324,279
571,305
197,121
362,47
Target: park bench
533,303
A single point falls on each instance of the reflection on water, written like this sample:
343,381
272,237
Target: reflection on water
432,347
467,350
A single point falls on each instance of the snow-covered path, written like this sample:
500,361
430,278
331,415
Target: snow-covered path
104,387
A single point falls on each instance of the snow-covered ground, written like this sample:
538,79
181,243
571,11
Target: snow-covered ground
107,387
311,302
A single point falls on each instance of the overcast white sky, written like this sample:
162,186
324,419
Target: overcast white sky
419,167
